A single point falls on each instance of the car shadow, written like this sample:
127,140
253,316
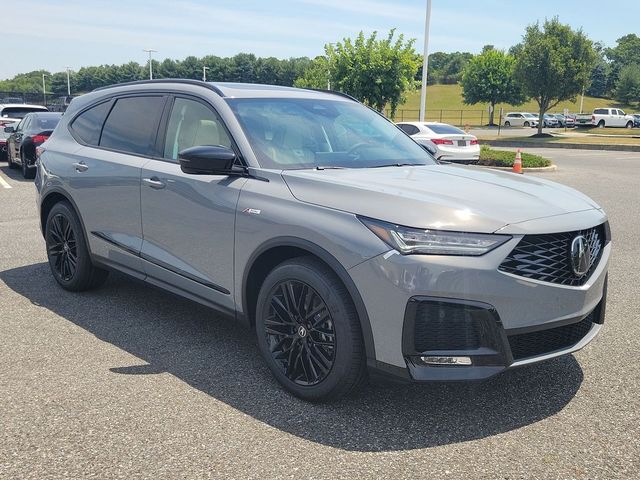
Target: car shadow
221,359
14,174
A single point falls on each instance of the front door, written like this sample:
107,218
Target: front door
188,221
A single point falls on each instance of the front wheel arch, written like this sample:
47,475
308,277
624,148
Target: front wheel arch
278,250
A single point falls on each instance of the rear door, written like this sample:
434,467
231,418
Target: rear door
188,221
105,176
19,135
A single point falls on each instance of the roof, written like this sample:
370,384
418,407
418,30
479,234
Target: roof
239,90
21,105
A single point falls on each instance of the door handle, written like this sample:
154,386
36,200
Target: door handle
154,182
81,167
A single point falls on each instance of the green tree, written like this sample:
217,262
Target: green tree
376,72
317,75
626,52
628,86
553,64
489,78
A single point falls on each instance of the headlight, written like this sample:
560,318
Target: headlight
409,241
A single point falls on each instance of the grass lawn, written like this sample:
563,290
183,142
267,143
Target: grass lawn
444,103
503,158
610,131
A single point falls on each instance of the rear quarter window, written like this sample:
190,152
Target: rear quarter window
87,126
132,125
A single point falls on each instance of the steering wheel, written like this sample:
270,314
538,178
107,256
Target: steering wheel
356,147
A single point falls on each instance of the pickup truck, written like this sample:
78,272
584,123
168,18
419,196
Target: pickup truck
605,117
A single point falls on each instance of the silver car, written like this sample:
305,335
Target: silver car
322,226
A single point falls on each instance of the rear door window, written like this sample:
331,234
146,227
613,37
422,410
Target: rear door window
87,126
132,125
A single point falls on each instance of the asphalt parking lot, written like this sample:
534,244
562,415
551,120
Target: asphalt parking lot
130,382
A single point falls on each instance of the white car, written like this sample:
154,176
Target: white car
520,119
451,143
611,117
19,110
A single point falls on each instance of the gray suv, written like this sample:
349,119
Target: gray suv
317,222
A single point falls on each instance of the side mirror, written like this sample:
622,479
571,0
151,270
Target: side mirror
9,129
207,160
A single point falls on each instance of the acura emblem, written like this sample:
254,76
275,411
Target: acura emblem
580,256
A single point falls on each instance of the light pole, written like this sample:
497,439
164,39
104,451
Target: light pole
68,82
150,51
425,62
44,91
204,73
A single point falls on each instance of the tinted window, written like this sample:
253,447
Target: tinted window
45,122
444,129
132,125
88,124
410,129
20,112
290,133
191,123
601,111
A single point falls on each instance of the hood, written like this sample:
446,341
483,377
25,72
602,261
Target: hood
446,197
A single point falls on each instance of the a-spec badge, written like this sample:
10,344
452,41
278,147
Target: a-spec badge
252,211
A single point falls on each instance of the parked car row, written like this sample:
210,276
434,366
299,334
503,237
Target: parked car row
550,120
21,139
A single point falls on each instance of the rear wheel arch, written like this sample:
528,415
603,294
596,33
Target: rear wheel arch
277,251
47,203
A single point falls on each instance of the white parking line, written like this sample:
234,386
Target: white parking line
3,182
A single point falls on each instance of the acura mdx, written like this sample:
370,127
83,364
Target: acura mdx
318,223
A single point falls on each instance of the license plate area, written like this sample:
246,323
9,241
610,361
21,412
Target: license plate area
462,143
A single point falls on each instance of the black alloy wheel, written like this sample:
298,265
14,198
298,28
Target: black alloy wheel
62,247
69,257
308,331
300,332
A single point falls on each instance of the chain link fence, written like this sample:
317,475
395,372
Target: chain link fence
461,118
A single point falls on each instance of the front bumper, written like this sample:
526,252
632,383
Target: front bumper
511,306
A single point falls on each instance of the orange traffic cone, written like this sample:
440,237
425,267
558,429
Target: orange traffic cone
517,164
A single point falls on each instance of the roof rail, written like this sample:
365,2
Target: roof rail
334,92
187,81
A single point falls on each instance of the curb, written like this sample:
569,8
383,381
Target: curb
576,146
550,168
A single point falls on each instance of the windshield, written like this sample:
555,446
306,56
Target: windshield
294,133
529,115
20,112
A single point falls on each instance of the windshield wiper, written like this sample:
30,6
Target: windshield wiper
329,167
400,165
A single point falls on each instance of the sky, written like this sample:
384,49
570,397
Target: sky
55,34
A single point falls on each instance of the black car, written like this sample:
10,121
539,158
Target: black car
636,120
33,130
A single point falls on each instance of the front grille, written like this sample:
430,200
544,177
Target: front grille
547,257
533,344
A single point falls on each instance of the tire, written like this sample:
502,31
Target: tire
28,173
65,242
601,124
629,125
317,355
10,158
507,124
526,124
